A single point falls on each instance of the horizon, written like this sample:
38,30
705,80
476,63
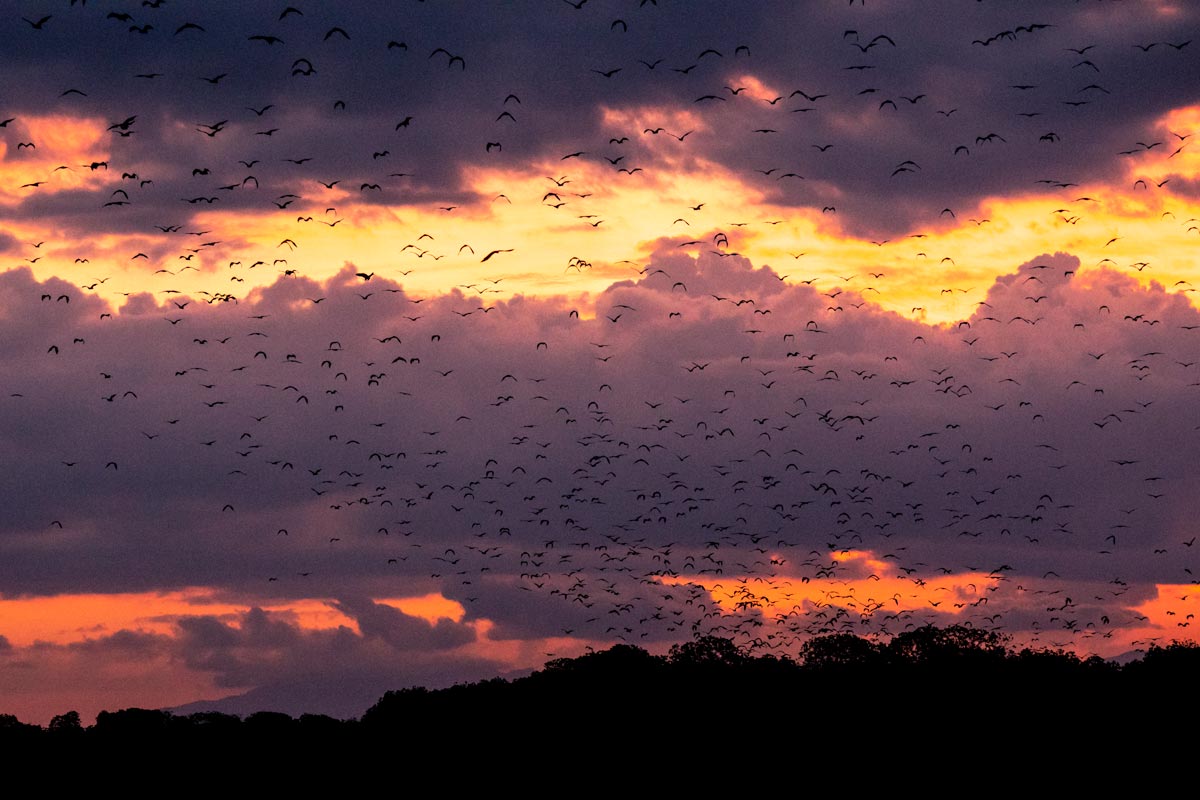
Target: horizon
927,651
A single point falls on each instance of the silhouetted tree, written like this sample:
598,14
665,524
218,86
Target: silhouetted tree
67,724
928,646
14,733
269,721
930,680
707,651
840,651
1174,659
132,723
215,721
618,660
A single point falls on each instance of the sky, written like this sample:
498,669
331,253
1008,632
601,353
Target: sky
349,347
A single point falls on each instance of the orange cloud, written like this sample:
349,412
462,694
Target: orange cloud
68,618
90,652
57,152
429,607
755,87
601,224
1172,613
865,584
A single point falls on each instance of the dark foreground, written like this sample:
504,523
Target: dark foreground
933,694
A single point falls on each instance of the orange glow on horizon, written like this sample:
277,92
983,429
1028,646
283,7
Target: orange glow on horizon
45,681
872,586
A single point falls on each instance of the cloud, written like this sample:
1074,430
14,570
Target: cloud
403,631
253,660
1096,104
312,391
299,449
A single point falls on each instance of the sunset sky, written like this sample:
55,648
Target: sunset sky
353,346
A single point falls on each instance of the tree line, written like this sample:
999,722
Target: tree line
950,682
